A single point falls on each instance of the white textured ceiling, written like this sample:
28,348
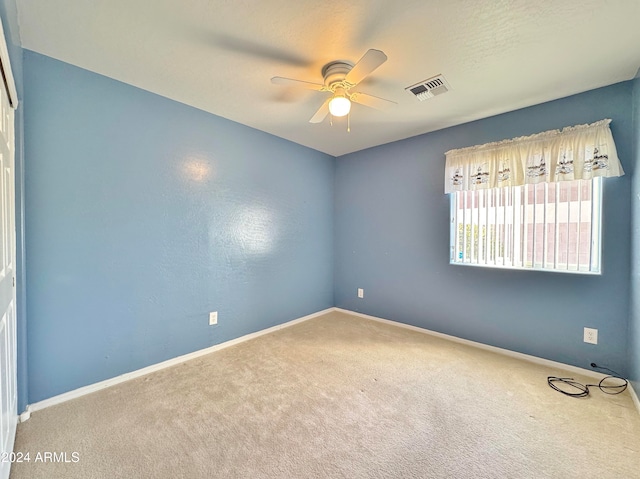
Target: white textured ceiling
219,55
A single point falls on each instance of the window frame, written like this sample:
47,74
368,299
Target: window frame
469,245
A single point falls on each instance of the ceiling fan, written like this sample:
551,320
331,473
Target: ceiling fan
340,78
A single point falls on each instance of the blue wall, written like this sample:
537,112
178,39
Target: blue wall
392,239
634,317
144,214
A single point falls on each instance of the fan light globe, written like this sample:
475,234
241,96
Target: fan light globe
339,106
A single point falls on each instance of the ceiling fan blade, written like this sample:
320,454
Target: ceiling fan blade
372,101
257,49
368,63
297,83
322,112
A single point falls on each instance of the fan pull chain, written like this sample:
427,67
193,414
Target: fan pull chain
330,120
348,122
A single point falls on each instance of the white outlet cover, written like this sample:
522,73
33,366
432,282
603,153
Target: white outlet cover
213,318
591,335
360,293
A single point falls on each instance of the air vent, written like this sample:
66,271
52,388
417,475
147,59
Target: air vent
429,88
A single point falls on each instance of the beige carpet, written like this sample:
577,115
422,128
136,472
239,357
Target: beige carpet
338,397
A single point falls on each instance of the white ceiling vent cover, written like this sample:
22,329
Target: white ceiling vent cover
429,88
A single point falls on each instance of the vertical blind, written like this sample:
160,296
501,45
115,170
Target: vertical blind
552,226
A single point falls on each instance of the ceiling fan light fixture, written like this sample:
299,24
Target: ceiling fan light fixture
339,105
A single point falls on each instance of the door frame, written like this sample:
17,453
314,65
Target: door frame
7,78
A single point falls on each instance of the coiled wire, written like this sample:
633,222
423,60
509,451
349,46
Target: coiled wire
571,387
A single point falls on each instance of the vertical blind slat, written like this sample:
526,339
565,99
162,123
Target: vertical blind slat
579,225
556,244
544,225
568,225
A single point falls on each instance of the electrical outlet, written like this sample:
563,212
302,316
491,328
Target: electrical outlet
213,318
591,335
360,293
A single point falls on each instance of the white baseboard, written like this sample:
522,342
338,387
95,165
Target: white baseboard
25,415
91,388
495,349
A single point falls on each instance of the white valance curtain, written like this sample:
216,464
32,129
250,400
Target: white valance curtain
573,153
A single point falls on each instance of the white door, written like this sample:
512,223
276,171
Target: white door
8,365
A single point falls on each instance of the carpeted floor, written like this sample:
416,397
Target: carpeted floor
338,397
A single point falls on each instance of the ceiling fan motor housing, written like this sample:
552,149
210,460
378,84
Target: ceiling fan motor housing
334,72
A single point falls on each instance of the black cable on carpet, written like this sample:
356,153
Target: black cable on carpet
614,383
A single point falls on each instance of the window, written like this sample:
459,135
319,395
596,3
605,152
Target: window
532,202
544,226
